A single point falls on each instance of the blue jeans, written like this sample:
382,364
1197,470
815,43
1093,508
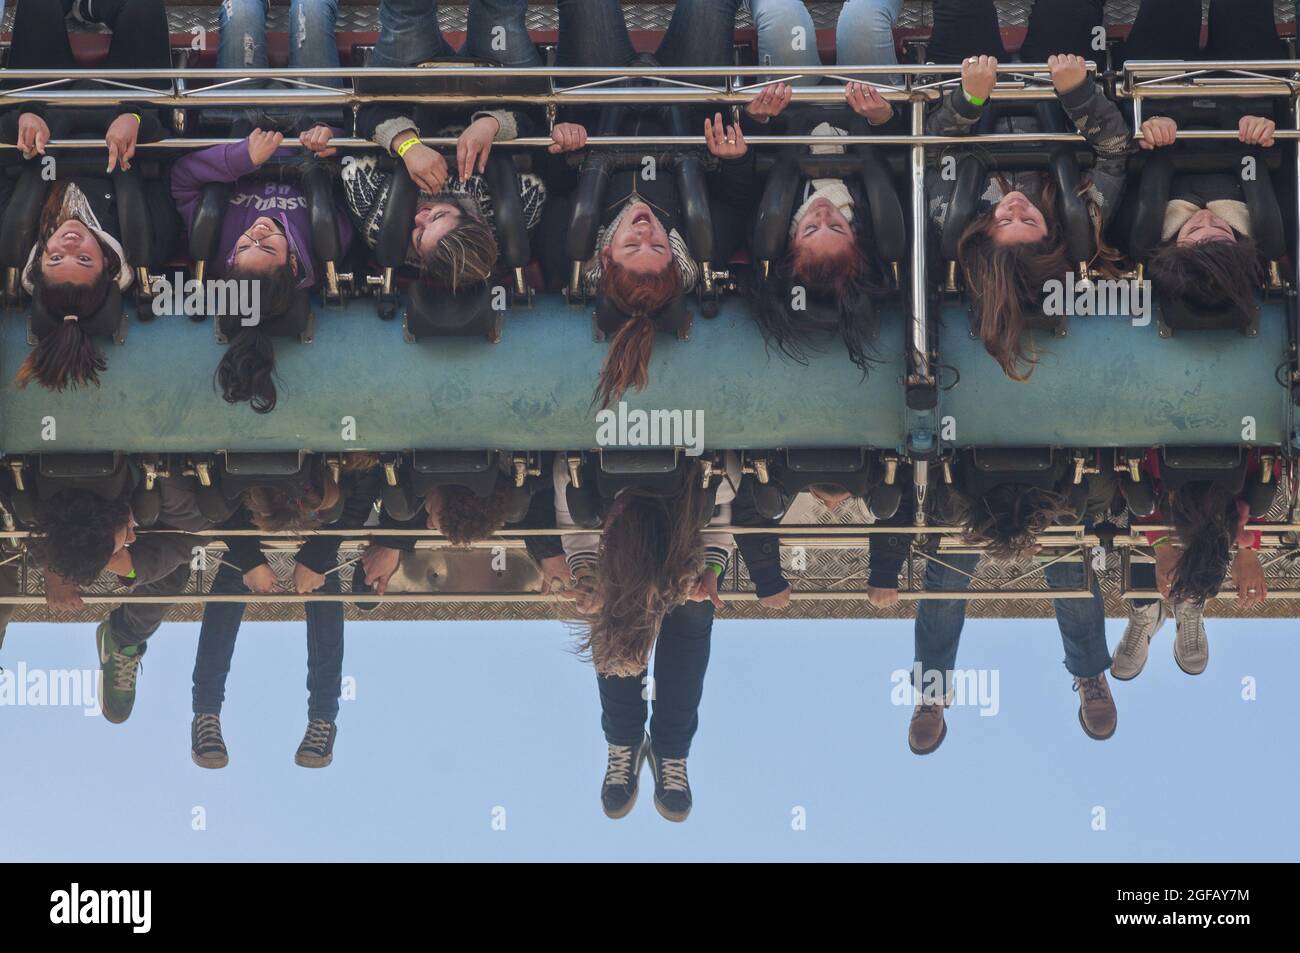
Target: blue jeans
497,31
594,33
864,34
681,659
939,621
217,645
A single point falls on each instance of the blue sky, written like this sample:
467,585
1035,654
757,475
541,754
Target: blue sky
454,720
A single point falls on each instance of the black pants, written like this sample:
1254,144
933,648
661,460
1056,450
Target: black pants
681,659
1171,30
133,622
965,28
140,36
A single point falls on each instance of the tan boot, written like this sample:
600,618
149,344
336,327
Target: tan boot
1096,707
927,729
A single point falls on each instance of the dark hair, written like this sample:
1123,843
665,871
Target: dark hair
1206,518
1207,275
844,281
247,369
467,517
640,297
1007,283
68,356
651,556
466,255
272,509
79,529
1008,519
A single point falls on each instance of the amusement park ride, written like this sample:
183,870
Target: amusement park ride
1106,390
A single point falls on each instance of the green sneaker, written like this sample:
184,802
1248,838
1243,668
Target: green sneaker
119,666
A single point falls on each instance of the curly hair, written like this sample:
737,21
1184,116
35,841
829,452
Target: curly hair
1206,518
1007,520
466,517
80,533
1207,275
651,556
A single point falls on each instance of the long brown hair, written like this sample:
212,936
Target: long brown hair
1206,518
1007,520
67,357
466,255
1006,283
651,556
273,511
640,297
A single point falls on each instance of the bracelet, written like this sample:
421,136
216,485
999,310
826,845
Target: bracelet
138,117
973,100
714,568
405,146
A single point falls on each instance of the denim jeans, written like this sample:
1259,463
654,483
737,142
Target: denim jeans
864,34
497,31
681,659
939,621
594,33
217,645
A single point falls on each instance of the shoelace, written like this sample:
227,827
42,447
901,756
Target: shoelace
126,670
208,728
318,734
620,765
1092,688
1192,630
1139,632
673,771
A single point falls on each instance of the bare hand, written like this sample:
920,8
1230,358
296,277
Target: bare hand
261,578
427,167
555,577
882,598
1068,71
567,137
121,137
475,145
706,589
1248,575
316,140
262,145
61,594
1256,131
769,103
1159,131
306,579
865,100
979,74
778,600
33,134
725,142
379,563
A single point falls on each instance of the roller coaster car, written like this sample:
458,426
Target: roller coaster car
595,479
870,182
18,233
1179,466
688,168
318,189
1064,162
33,480
223,478
1152,199
780,475
475,311
410,477
979,471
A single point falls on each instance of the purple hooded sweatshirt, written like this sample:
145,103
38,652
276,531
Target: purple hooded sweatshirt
249,200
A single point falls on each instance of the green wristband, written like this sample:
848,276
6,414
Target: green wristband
715,568
973,100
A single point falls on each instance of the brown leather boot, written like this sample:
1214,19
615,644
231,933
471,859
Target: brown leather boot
927,729
1096,707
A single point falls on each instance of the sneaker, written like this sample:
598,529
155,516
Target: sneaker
927,729
1191,648
672,789
207,747
1096,707
317,748
119,668
83,12
622,778
1131,653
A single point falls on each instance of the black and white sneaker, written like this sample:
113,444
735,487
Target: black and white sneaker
317,748
83,11
622,778
672,789
207,747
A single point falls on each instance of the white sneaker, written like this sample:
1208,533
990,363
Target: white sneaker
1131,653
1191,647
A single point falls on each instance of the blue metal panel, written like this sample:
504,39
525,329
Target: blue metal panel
1109,383
531,391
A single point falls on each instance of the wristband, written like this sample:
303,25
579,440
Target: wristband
405,146
714,568
138,117
973,100
130,575
1159,542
